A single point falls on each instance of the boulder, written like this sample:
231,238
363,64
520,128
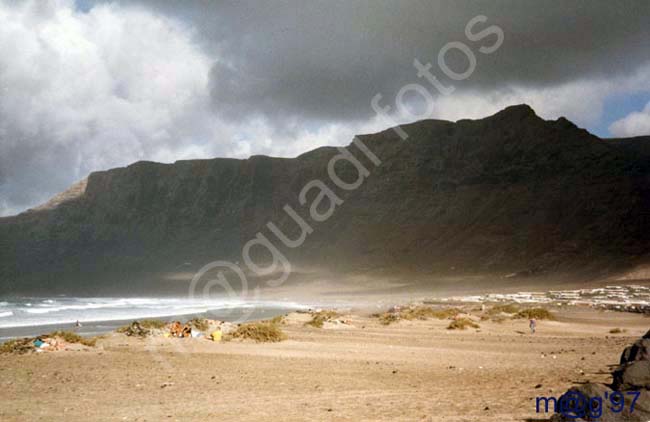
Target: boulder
602,410
634,370
632,376
640,350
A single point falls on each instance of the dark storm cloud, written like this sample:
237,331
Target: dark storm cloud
325,60
88,85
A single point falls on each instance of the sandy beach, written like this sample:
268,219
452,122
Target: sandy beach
361,371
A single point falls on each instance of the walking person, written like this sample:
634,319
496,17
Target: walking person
533,325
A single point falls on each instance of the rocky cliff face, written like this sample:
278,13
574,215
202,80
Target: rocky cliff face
508,194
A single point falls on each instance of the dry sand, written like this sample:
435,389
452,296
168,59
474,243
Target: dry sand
409,371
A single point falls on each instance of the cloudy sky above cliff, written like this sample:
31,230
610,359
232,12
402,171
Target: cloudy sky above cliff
90,85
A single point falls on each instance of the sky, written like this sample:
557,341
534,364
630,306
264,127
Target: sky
92,85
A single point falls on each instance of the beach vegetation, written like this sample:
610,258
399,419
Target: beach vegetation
507,308
417,313
261,332
535,313
153,324
200,324
277,319
70,337
425,312
17,346
319,318
388,318
462,324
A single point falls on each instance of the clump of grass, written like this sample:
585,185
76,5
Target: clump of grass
425,312
70,337
26,345
508,308
261,332
462,324
319,318
135,329
617,331
200,324
153,324
277,320
388,318
536,313
18,346
142,328
417,312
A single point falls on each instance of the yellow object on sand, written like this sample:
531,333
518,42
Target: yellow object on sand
216,336
166,335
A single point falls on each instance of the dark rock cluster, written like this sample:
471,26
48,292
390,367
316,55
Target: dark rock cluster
599,402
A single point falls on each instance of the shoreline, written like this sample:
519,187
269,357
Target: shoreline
95,328
620,297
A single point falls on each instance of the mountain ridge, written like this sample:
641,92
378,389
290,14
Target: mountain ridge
508,194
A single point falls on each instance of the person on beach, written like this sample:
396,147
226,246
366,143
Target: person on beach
533,325
77,324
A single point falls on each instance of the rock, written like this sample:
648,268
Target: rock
632,376
640,350
598,393
634,371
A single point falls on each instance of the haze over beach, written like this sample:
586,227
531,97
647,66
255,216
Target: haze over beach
324,211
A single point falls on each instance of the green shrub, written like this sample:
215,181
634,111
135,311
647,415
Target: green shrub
18,346
153,324
536,313
508,308
318,318
261,332
70,337
134,329
417,312
388,318
277,320
462,324
425,312
25,345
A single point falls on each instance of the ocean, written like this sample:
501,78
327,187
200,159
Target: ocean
35,315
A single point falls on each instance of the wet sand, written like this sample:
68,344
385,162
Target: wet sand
408,371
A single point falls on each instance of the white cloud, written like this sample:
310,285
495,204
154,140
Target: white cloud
578,101
88,91
581,101
634,124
